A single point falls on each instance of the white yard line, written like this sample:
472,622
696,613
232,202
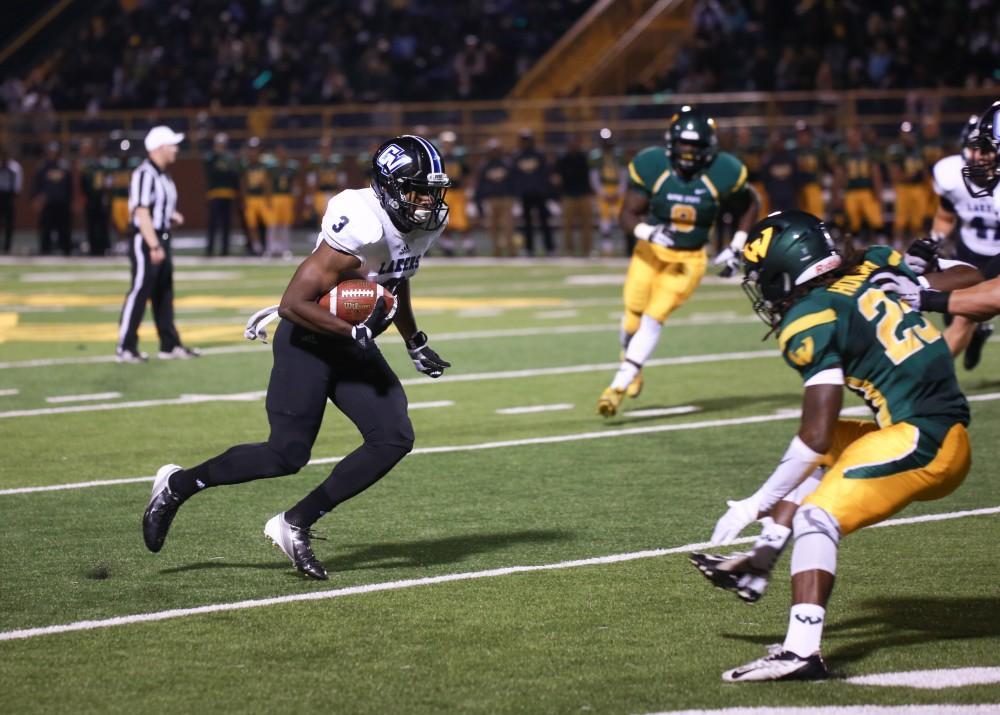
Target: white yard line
553,439
93,396
25,633
930,679
412,381
662,411
531,409
942,709
429,405
9,392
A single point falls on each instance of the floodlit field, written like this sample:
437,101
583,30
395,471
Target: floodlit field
528,557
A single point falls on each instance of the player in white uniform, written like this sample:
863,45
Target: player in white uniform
379,233
977,219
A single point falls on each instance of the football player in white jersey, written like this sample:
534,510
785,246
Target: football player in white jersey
975,212
379,233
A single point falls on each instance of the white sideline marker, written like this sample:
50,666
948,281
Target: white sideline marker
9,392
943,709
25,633
83,398
530,409
931,679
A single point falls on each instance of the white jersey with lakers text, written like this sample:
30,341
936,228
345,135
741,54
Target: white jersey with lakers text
980,218
356,223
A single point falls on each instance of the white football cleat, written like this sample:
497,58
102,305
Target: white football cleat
779,664
295,542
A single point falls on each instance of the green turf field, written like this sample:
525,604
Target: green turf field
474,577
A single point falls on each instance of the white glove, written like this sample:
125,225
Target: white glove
257,324
729,258
662,236
908,290
741,514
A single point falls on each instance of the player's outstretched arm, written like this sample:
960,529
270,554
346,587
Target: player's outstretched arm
316,275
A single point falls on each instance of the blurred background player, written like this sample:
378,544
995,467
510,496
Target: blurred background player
325,178
495,196
779,174
749,147
457,239
671,207
973,213
222,181
530,176
284,191
53,199
11,183
908,172
858,186
94,183
571,172
120,167
255,187
608,180
811,166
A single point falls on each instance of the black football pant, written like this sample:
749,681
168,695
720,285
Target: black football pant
220,212
533,206
55,219
7,218
149,282
308,370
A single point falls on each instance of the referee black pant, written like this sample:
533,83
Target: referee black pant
7,218
149,282
308,370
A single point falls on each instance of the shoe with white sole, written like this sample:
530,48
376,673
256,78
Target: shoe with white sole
295,542
733,573
130,356
779,664
180,352
161,509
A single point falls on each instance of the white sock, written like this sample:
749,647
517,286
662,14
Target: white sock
623,337
805,629
626,373
642,344
769,545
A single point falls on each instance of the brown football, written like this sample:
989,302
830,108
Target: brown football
353,300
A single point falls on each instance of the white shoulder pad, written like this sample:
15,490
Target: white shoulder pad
948,176
349,224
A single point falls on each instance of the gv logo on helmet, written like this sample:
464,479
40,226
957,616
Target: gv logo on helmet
756,249
393,157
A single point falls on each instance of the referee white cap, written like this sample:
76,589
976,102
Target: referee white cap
162,135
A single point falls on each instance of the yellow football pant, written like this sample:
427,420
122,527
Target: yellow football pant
811,200
911,208
659,280
119,214
609,205
283,209
873,473
458,215
257,210
320,200
861,205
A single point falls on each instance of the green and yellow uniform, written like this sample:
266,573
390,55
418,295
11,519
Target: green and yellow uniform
283,177
917,449
457,164
811,161
257,194
222,176
860,203
120,171
608,165
660,279
910,187
325,180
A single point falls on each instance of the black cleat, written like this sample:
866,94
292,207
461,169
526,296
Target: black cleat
974,351
161,510
733,573
295,542
779,664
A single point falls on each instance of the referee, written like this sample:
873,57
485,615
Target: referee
152,205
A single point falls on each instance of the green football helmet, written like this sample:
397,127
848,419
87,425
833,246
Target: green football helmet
692,142
785,250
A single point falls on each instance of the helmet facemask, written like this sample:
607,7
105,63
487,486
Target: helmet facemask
421,203
980,171
691,157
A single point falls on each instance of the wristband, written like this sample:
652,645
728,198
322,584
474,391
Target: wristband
643,231
935,301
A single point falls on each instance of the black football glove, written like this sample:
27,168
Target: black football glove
375,324
424,359
922,256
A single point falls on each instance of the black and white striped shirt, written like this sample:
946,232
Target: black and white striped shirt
155,190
